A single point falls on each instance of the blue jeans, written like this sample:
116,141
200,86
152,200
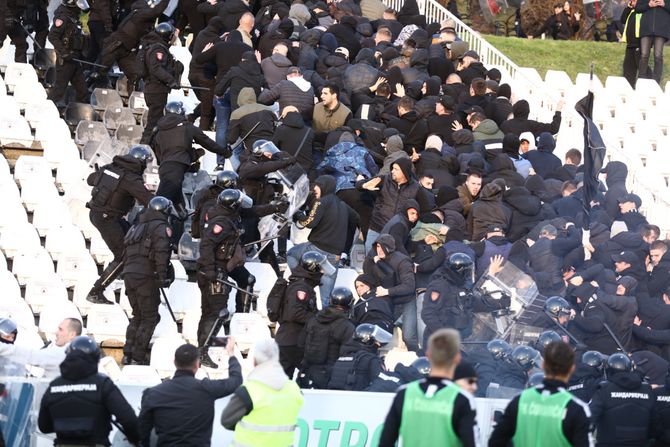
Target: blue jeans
370,239
421,326
222,109
409,324
293,257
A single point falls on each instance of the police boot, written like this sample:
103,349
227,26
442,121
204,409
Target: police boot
206,360
108,275
127,359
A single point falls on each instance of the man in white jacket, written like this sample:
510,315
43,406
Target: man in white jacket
50,357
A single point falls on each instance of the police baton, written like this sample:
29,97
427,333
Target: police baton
39,47
265,239
192,87
564,330
92,64
224,316
167,303
616,339
223,281
118,426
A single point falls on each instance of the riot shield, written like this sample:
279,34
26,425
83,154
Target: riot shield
517,324
293,184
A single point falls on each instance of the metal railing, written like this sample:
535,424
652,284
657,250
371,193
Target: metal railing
491,56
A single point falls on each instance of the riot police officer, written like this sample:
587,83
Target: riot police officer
588,374
359,362
325,333
146,269
173,145
545,338
116,187
162,73
79,404
22,17
220,253
661,414
449,300
622,406
299,305
494,365
68,38
205,198
120,45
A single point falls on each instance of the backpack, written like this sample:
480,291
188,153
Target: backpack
344,377
276,298
316,343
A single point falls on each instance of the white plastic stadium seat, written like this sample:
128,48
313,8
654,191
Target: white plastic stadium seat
346,277
30,167
558,81
248,329
35,192
139,375
27,94
41,111
189,325
618,86
107,322
99,250
17,236
265,279
649,88
67,239
166,326
90,131
13,213
15,130
44,290
71,174
19,73
9,286
183,295
53,313
18,310
8,107
75,266
29,338
162,354
51,216
32,262
61,151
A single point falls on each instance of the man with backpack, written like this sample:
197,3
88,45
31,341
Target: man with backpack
324,335
359,362
292,304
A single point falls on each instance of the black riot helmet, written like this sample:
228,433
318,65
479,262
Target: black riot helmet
342,297
176,107
557,306
525,356
369,334
166,31
422,364
312,260
160,203
234,199
499,349
261,147
617,363
535,379
594,359
8,331
86,345
153,3
81,4
227,179
141,153
545,338
463,266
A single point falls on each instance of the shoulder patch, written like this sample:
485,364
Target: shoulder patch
217,229
58,23
168,231
434,296
301,295
159,56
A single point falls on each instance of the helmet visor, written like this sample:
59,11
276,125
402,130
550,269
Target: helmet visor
83,5
327,268
266,148
381,336
245,201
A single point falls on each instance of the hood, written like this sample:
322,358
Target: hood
410,204
627,380
521,109
129,163
419,58
366,56
493,191
331,314
77,365
286,27
446,194
246,96
302,83
293,119
335,60
433,86
510,145
405,165
269,373
280,60
487,127
501,163
250,66
394,144
521,200
413,90
327,184
311,37
367,279
328,42
420,38
312,278
616,173
216,25
349,21
149,215
387,242
463,136
546,142
171,120
300,13
535,185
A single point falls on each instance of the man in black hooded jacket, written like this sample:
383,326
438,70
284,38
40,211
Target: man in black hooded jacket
400,225
616,173
520,123
370,308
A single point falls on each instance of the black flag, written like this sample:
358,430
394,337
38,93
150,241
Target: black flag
594,153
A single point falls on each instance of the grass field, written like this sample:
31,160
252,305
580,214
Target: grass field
570,56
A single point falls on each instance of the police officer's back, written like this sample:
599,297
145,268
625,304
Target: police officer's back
359,363
390,381
547,414
622,406
661,414
205,198
79,404
324,334
588,375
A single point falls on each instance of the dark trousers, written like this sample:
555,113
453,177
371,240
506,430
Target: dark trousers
361,202
646,44
69,72
98,35
144,298
114,51
241,277
171,175
206,97
290,358
631,62
18,38
156,103
112,230
213,298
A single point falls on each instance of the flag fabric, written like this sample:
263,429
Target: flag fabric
594,153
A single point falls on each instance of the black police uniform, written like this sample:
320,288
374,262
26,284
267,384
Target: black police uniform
163,73
621,410
21,16
173,146
661,414
357,367
146,263
68,39
100,24
78,405
298,308
390,381
584,381
220,252
501,371
325,334
120,45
